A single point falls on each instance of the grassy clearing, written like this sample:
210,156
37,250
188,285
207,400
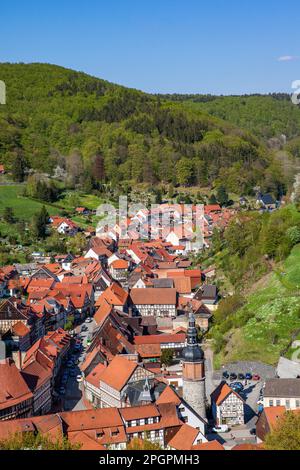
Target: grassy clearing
275,318
11,196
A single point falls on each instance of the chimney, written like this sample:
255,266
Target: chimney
130,312
18,358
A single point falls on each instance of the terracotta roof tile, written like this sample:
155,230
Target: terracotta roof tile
118,372
13,387
212,445
184,438
168,396
152,296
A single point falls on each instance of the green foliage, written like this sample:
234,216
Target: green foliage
69,325
18,167
293,234
142,444
266,116
39,223
42,189
228,306
94,132
222,196
167,357
32,441
286,434
253,239
261,328
77,244
8,215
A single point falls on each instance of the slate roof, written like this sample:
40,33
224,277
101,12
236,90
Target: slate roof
287,388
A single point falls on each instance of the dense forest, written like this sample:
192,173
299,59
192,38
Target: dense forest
266,116
84,129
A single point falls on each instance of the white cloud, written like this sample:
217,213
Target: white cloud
287,58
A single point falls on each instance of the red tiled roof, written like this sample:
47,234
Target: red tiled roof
91,419
114,295
19,329
168,396
148,350
222,392
212,445
184,438
103,312
152,296
95,375
120,264
85,441
118,372
160,339
13,388
139,412
183,285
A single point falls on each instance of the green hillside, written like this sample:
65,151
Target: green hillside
104,132
266,116
274,318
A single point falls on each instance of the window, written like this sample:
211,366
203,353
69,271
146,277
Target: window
278,402
271,403
129,424
287,404
297,403
146,420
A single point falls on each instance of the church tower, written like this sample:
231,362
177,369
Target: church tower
193,371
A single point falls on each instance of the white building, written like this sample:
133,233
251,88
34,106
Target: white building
282,392
227,406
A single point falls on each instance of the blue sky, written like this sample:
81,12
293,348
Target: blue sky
184,46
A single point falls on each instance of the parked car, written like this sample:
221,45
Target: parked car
88,320
233,377
256,377
221,429
248,376
79,378
253,432
241,377
70,364
84,328
73,373
62,391
237,386
64,381
225,375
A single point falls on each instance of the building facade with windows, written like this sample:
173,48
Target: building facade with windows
282,392
227,406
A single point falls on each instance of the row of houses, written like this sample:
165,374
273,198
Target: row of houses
27,378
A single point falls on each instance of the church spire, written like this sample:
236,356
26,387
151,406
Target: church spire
193,370
192,352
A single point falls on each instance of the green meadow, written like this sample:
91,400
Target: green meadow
274,318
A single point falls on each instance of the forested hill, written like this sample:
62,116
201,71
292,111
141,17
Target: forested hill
55,116
266,116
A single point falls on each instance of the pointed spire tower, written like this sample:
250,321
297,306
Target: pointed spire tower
145,395
193,371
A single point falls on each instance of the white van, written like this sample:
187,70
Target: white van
222,429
